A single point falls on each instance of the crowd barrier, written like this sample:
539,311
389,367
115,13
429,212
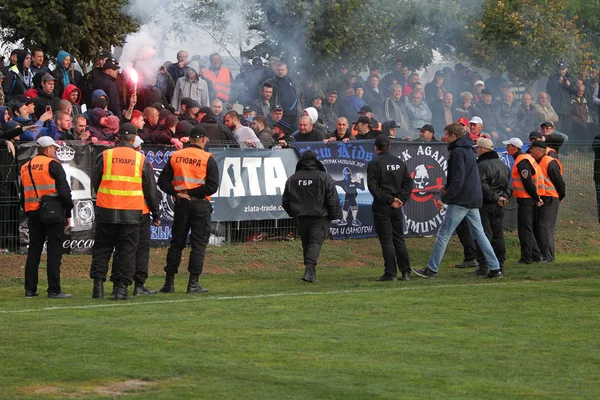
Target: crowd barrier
247,206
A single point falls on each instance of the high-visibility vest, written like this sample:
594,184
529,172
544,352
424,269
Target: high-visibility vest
121,185
354,131
550,189
555,157
189,168
538,179
44,183
222,82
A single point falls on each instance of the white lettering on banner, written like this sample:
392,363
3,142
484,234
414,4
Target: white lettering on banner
78,244
427,151
273,175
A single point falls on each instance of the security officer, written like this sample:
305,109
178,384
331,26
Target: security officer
311,198
554,192
44,176
142,254
528,187
191,175
390,184
127,179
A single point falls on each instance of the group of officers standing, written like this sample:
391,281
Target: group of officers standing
477,189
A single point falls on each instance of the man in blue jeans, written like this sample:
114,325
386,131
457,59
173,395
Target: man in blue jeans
463,195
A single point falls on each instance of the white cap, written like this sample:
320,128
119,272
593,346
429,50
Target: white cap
485,143
514,141
47,141
476,120
137,142
478,83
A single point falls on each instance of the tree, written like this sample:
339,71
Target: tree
81,28
526,38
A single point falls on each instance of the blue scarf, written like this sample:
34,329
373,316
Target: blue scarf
66,77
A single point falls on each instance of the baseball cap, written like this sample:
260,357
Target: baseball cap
535,134
193,104
514,141
364,120
382,141
476,120
24,99
485,91
547,123
127,129
478,83
247,109
277,108
47,141
365,109
104,54
539,143
205,110
485,143
427,127
183,128
138,141
393,124
198,132
562,65
47,78
111,63
284,126
439,73
332,91
463,121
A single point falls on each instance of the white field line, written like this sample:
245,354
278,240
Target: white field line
266,296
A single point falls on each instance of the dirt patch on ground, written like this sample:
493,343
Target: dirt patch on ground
113,389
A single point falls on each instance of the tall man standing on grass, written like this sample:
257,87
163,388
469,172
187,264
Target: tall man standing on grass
390,184
463,195
311,198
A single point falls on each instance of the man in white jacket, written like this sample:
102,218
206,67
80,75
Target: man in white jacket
191,86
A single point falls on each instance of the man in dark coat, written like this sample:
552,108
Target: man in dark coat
561,88
311,198
107,82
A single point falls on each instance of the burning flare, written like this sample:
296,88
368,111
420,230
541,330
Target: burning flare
133,75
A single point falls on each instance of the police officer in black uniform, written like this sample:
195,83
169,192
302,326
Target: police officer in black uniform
191,175
390,184
311,198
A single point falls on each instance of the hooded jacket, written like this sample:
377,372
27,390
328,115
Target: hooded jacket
109,86
463,184
65,96
43,100
310,192
196,89
17,80
96,130
313,114
65,77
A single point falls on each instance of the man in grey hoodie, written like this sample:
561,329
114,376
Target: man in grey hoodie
191,86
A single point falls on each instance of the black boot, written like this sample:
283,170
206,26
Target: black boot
98,292
121,292
141,290
169,286
194,286
310,274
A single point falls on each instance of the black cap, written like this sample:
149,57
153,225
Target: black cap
364,120
331,91
562,65
247,109
427,127
164,113
127,129
193,104
183,128
535,134
382,141
24,99
309,155
365,109
276,108
198,132
392,124
185,101
539,143
485,91
205,110
111,63
439,73
104,54
284,126
547,123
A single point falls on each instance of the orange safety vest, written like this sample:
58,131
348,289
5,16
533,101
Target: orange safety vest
538,179
222,82
550,189
354,131
44,183
189,168
121,185
548,151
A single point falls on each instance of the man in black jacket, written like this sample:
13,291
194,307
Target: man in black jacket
306,131
311,198
463,195
365,129
107,82
561,89
390,184
496,187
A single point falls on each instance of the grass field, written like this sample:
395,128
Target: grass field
263,333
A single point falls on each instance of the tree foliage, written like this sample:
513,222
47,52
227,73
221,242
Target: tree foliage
526,38
80,27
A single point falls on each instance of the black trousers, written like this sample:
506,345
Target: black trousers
546,224
466,239
191,215
598,200
121,238
312,231
142,255
390,232
38,234
527,220
492,216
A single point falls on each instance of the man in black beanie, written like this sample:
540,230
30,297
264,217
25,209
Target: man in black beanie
311,198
